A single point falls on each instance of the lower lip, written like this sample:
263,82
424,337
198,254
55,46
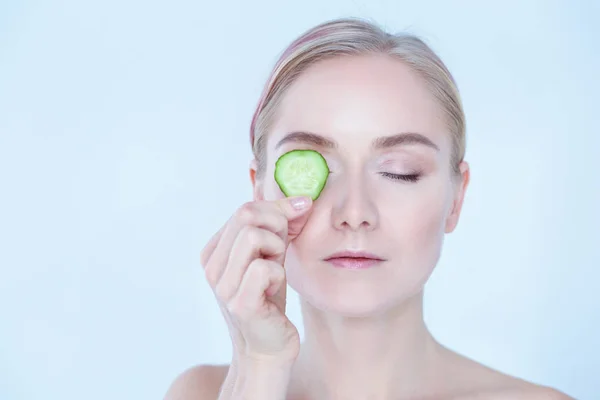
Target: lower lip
353,263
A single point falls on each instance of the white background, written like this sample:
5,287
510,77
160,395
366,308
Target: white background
124,146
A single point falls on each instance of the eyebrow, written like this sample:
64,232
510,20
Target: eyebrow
384,142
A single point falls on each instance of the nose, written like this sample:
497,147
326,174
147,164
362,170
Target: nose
354,208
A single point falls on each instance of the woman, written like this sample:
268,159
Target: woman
386,114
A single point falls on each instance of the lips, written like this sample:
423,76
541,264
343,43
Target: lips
354,259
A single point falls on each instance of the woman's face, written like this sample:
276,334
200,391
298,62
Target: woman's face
354,104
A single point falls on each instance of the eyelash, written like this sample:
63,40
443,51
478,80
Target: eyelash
407,178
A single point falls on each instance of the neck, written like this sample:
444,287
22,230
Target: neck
369,357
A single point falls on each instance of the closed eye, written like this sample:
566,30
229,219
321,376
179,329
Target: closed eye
399,177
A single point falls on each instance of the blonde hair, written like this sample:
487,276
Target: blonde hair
354,36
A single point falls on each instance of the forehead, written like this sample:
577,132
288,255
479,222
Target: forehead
359,97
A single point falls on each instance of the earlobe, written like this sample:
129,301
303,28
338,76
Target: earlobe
458,198
253,168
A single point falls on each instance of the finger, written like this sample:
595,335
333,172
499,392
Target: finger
297,211
259,214
296,226
293,207
249,300
210,246
251,243
291,211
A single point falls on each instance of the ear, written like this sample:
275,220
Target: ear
458,197
257,185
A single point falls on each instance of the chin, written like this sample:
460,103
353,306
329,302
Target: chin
347,309
349,298
357,294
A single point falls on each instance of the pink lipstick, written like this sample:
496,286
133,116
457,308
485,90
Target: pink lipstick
354,260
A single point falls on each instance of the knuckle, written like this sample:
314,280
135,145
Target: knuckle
259,269
238,310
273,242
232,308
252,235
245,214
211,275
204,258
223,291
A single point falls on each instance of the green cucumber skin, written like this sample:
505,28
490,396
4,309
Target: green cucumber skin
316,160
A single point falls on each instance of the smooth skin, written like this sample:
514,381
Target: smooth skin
365,337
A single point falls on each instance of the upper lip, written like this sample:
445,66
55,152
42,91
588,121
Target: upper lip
354,254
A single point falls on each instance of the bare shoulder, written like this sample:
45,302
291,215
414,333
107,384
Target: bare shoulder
477,381
533,392
501,386
201,382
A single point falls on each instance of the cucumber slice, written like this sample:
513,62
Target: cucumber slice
301,173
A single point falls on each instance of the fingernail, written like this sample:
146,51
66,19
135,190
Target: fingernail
300,203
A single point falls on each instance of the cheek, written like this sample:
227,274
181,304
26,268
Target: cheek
419,221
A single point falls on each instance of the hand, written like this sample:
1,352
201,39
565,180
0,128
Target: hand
243,264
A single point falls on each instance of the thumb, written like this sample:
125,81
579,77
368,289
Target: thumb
296,210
